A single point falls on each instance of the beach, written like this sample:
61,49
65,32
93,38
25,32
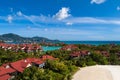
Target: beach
98,72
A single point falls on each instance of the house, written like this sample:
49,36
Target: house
45,57
104,53
85,53
6,72
36,62
39,64
27,48
75,54
80,53
10,70
5,77
20,65
69,47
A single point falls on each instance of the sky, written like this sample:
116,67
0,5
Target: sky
61,19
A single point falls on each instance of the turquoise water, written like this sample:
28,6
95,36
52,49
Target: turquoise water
49,48
92,42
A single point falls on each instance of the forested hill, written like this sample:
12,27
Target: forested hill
10,37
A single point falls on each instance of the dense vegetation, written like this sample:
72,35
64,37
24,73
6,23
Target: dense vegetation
92,59
65,66
54,70
10,56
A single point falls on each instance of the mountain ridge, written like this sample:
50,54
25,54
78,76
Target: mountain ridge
11,37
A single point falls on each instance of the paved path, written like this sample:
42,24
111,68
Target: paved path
98,73
115,71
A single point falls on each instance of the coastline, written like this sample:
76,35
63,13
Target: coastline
98,72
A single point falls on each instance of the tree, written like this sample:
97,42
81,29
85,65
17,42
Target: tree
113,59
99,59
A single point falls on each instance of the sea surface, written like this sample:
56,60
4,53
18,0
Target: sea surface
50,48
92,42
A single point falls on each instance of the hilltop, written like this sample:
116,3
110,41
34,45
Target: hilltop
10,37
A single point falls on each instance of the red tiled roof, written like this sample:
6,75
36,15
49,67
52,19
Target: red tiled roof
38,62
4,65
19,65
75,54
79,53
45,57
4,71
71,46
105,53
30,47
5,77
35,60
10,70
24,64
84,52
1,68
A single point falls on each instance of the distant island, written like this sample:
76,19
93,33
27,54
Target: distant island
14,38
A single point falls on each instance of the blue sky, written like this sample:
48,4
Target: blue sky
61,19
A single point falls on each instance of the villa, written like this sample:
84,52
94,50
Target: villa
104,53
10,70
69,47
80,53
27,48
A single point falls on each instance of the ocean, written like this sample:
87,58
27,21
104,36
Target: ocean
92,42
84,42
49,48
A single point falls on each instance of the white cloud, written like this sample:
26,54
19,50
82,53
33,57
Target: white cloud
118,8
69,23
97,1
85,20
37,20
19,13
92,20
29,18
28,27
62,20
9,18
62,14
45,29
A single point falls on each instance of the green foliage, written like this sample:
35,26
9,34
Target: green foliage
57,66
64,67
62,55
10,56
54,70
99,59
114,59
